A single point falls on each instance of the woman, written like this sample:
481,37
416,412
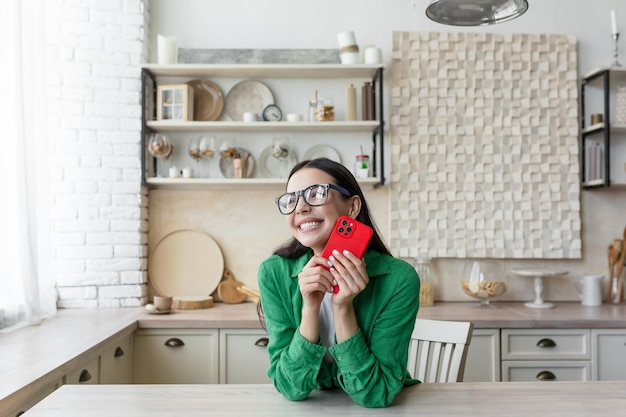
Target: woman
356,339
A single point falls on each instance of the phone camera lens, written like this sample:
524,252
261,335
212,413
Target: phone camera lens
344,222
348,229
340,230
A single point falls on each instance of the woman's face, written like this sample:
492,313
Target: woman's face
311,225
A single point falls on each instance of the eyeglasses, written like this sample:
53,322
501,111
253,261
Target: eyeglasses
314,195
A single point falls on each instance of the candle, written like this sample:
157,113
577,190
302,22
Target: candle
613,23
167,51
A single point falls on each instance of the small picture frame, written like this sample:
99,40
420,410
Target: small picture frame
175,102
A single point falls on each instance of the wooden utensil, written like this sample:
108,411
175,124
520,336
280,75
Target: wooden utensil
227,290
613,255
618,268
254,294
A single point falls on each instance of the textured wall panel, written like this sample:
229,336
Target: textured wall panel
484,145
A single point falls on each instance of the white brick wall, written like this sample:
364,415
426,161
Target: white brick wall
99,211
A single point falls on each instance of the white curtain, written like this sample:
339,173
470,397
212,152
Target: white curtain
27,293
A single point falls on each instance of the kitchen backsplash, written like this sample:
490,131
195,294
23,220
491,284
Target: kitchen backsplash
247,227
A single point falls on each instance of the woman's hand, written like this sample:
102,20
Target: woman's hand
315,281
350,274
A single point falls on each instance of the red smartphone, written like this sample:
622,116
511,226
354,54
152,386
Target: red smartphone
347,234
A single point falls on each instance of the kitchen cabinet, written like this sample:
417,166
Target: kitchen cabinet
546,354
176,356
243,356
117,362
609,354
87,373
33,396
108,364
483,356
251,133
188,356
602,144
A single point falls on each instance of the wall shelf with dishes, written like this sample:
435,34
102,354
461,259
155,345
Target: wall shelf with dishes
603,128
224,119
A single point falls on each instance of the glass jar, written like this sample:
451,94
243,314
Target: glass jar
424,271
325,110
362,166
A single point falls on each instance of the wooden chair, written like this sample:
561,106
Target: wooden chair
438,349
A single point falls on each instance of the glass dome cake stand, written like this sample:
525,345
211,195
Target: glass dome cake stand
538,274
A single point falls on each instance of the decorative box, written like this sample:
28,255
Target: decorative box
174,102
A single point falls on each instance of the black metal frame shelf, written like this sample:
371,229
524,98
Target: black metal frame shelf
602,78
151,72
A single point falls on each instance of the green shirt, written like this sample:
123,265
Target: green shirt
371,366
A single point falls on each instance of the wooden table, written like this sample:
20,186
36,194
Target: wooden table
499,399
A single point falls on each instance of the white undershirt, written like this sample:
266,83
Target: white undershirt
327,325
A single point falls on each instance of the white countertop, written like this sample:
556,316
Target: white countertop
497,399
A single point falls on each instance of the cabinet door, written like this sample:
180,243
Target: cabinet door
546,344
546,371
89,373
609,354
243,358
117,362
175,356
483,356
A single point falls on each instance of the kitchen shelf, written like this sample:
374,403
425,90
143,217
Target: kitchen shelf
596,163
182,126
236,183
598,127
153,75
265,70
615,73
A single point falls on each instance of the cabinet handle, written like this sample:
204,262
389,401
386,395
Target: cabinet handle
546,376
118,352
262,342
84,376
546,343
174,342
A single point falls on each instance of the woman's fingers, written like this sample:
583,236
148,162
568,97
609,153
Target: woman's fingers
315,276
349,271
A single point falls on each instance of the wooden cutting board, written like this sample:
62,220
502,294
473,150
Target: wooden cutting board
186,263
192,303
227,290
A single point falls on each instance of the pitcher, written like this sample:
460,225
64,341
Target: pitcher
589,289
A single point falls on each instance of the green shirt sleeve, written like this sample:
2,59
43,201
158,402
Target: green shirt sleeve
295,363
374,372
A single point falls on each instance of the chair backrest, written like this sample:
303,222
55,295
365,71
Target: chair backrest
438,350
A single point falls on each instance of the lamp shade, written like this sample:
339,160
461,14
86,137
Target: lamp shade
475,12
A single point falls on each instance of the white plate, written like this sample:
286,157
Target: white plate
270,166
322,151
247,96
226,164
184,263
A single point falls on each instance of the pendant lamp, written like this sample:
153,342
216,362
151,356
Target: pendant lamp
475,12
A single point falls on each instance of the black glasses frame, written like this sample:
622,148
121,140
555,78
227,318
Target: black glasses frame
304,193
